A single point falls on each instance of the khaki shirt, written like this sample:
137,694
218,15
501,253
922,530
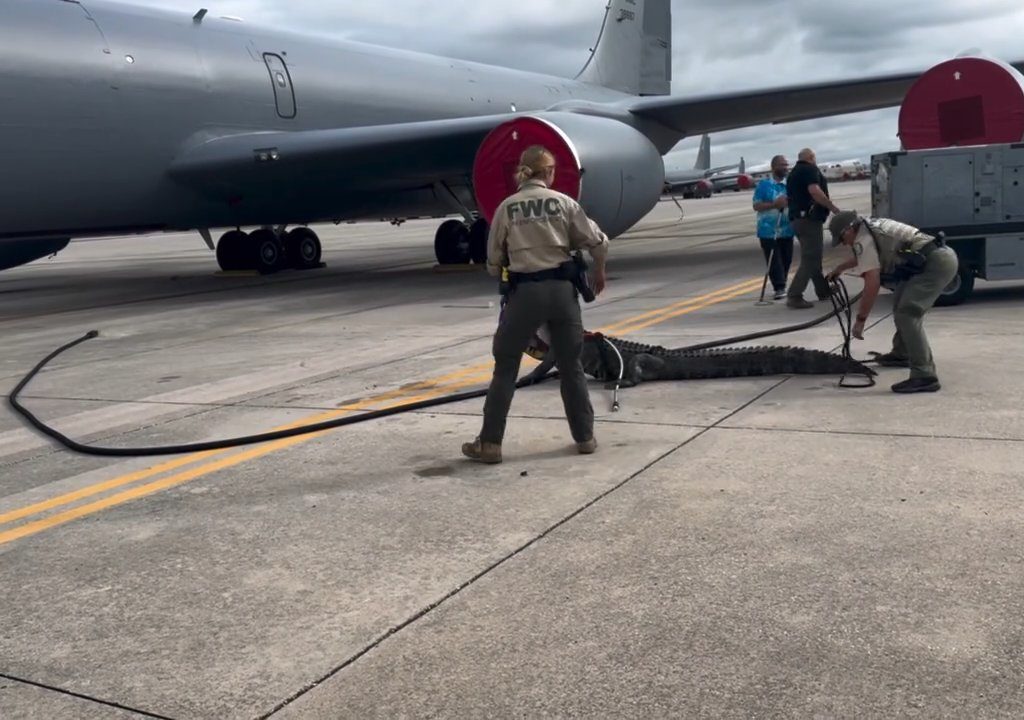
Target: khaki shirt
536,229
892,236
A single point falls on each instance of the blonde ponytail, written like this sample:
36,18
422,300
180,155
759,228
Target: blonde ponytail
532,162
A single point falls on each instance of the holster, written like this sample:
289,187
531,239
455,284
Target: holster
581,278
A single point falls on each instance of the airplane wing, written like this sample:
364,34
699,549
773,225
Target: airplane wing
363,159
728,111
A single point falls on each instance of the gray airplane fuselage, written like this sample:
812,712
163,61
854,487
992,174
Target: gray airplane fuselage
99,98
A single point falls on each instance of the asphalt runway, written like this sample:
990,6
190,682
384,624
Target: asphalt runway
759,547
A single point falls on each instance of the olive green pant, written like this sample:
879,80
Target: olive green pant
531,305
914,298
811,235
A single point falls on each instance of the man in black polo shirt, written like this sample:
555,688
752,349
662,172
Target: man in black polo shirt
809,207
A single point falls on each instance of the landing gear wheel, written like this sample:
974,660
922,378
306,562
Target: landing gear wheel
478,241
451,243
959,288
267,252
231,251
302,248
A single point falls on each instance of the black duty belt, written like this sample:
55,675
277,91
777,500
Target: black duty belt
562,272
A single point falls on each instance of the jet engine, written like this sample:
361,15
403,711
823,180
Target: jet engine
964,101
703,189
613,170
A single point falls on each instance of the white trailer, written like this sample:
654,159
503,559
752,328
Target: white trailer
975,195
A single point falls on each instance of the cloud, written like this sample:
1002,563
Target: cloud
719,45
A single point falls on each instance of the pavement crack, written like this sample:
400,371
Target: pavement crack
598,419
514,553
867,433
80,696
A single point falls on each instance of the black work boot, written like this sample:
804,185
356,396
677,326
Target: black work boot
798,303
919,384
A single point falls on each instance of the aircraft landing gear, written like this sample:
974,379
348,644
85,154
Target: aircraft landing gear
478,241
303,248
451,243
231,251
458,244
268,250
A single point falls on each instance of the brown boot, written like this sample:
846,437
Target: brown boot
587,447
484,452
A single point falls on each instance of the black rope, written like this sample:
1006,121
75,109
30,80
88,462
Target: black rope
843,308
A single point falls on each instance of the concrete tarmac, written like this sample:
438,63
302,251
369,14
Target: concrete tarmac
749,548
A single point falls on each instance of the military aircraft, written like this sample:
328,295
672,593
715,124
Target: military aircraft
695,181
840,170
120,119
739,180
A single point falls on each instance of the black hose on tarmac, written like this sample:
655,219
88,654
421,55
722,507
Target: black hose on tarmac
540,374
229,442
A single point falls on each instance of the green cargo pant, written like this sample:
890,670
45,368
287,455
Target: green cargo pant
811,235
531,305
914,298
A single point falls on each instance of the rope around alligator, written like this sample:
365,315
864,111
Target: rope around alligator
620,363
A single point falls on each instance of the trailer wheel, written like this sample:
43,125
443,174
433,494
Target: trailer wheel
959,288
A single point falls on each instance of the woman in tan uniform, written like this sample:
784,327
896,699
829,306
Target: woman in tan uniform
533,233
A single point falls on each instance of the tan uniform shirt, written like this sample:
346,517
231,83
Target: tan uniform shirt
892,236
536,229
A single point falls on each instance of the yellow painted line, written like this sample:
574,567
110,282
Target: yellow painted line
132,477
653,317
444,384
141,491
694,308
98,488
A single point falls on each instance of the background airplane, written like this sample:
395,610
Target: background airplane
838,170
739,180
700,180
120,119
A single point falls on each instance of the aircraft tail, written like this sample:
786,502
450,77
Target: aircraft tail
634,50
704,154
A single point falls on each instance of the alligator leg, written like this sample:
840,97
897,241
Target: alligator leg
633,374
643,367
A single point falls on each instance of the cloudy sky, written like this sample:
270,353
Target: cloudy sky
719,45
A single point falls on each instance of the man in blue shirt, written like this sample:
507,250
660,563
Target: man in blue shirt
773,228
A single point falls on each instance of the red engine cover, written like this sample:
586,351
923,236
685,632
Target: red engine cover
497,158
964,101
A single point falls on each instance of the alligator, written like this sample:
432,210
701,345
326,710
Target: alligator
652,362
